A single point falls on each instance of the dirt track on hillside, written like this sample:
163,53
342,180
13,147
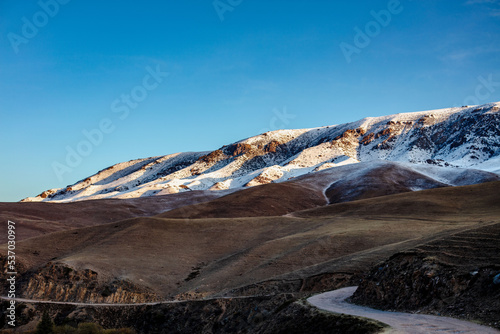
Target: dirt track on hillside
334,301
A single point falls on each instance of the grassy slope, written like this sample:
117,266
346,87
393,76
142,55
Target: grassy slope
233,252
272,199
34,219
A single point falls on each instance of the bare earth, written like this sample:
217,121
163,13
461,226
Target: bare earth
334,301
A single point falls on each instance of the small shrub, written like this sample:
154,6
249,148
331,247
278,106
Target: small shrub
106,292
89,328
119,331
45,326
66,329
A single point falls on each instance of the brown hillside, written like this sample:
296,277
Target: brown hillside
200,257
475,200
37,218
273,199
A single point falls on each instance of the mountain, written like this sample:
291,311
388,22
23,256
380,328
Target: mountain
418,191
455,146
333,185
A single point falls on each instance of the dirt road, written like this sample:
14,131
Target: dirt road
334,301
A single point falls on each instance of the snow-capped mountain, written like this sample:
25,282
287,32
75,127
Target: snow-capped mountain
450,140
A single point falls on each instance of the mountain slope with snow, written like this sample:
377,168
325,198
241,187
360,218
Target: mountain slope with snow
454,146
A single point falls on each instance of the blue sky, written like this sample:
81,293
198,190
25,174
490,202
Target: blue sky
235,69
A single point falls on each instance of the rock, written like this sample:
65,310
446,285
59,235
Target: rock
59,282
446,276
272,147
212,157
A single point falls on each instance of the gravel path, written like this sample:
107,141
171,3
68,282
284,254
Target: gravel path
334,301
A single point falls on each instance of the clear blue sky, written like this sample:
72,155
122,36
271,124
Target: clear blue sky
227,77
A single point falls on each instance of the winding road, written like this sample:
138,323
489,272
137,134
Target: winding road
334,301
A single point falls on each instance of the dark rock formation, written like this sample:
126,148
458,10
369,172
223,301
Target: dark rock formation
279,314
456,276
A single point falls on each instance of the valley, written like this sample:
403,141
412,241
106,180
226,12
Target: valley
237,240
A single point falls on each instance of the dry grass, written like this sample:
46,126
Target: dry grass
34,219
161,253
274,199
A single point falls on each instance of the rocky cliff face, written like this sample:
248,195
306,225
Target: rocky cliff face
458,276
59,282
456,137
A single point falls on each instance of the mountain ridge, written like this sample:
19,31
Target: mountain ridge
465,137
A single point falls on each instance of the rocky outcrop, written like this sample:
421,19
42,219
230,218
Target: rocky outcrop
47,193
348,142
212,157
458,276
272,147
239,149
267,176
368,138
59,282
